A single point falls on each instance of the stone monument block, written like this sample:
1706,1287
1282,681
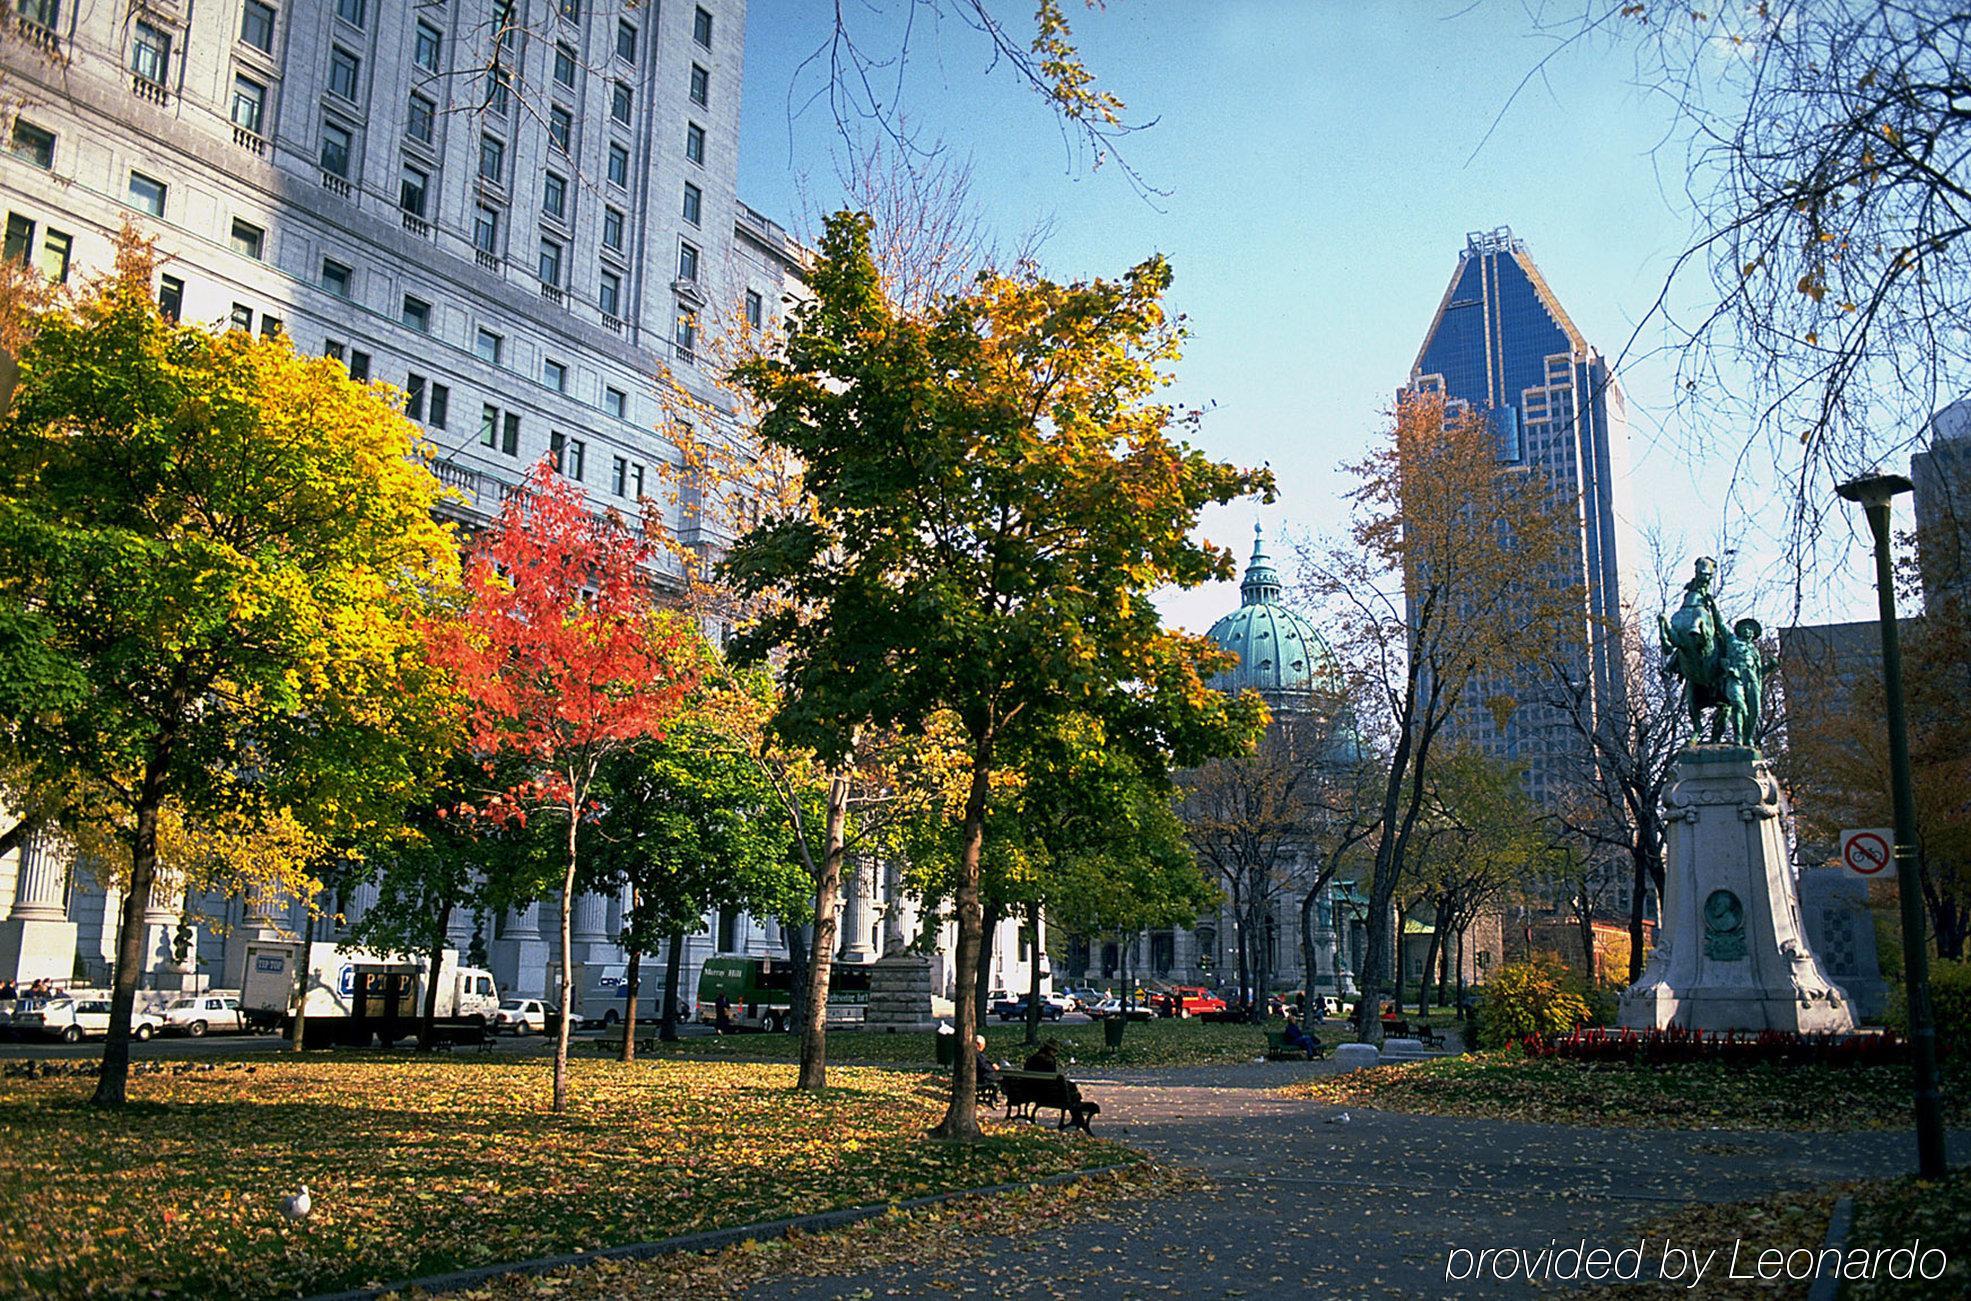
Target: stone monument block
1732,952
899,994
1834,903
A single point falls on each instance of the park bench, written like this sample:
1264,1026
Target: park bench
1279,1050
1026,1092
1428,1036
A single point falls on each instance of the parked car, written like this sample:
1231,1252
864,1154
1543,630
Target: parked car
1082,999
1112,1006
1000,1003
196,1014
1052,1008
70,1019
1186,1001
518,1016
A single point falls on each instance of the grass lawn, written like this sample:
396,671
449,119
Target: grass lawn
1704,1095
1161,1042
1889,1214
416,1167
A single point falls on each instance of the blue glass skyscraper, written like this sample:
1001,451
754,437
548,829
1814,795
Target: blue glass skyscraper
1502,344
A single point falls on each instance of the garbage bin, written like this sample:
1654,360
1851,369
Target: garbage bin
947,1040
1112,1029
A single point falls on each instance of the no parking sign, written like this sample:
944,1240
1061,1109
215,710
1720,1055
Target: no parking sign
1869,851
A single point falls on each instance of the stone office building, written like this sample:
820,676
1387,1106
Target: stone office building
516,211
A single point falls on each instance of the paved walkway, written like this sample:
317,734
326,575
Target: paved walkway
1307,1204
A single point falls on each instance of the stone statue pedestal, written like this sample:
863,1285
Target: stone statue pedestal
899,994
1732,953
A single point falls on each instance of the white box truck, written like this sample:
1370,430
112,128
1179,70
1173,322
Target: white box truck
356,996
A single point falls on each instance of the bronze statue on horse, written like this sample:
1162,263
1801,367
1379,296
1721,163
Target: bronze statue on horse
1723,670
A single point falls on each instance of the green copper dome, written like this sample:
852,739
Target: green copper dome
1280,655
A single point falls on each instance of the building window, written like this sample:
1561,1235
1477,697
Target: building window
241,319
615,402
56,246
271,327
626,40
336,278
686,334
694,143
554,196
612,229
492,158
488,346
554,375
426,401
418,122
619,475
499,431
32,143
619,166
569,454
441,406
359,366
486,230
701,85
42,13
170,297
701,28
694,202
561,127
429,42
687,261
550,263
150,53
636,491
564,64
249,104
620,101
414,384
489,426
755,309
248,239
345,73
572,10
350,11
609,294
411,192
337,144
498,98
257,26
147,194
417,314
510,435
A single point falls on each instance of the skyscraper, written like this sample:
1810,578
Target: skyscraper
1502,344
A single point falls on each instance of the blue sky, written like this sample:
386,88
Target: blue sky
1322,164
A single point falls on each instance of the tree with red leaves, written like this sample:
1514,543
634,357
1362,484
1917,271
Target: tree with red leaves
563,659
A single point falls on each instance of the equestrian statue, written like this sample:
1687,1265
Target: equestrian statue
1723,671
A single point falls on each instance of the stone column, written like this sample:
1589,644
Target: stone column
37,941
263,909
856,937
895,923
519,955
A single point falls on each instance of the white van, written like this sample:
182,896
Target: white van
604,998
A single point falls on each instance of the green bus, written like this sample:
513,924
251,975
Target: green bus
759,992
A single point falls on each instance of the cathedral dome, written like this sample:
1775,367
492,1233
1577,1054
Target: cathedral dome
1280,655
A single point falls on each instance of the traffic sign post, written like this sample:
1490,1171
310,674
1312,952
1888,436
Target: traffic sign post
1869,852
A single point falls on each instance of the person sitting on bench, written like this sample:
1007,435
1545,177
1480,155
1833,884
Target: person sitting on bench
1299,1038
1045,1059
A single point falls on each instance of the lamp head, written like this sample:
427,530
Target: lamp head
1874,489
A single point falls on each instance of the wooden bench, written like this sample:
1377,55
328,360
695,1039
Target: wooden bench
1279,1050
1026,1092
1428,1036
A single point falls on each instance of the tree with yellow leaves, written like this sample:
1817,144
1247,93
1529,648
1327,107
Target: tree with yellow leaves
215,558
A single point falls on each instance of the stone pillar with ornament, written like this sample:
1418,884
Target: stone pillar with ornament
858,937
37,941
170,940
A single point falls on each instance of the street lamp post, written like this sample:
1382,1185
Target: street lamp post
1874,494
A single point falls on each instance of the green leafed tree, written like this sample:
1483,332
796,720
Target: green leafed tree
215,558
994,493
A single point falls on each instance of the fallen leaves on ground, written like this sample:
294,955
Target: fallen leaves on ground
1695,1095
416,1167
967,1229
1163,1042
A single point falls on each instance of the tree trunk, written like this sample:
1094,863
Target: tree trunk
1308,975
634,985
982,976
567,962
113,1082
1461,973
1584,915
1637,897
961,1120
798,939
1033,974
427,1030
1423,979
821,954
667,1023
298,1023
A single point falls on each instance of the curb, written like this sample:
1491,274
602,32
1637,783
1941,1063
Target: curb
712,1239
1828,1286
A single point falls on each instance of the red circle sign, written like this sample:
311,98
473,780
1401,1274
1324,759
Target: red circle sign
1866,853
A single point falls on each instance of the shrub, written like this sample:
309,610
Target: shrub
1533,998
1950,1004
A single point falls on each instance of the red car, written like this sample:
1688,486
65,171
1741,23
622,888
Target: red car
1187,1000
